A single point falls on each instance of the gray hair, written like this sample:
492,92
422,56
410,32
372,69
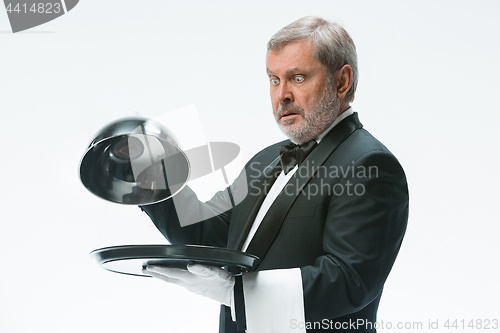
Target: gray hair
334,47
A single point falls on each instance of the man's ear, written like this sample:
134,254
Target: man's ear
343,80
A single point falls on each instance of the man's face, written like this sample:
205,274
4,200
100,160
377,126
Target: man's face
303,99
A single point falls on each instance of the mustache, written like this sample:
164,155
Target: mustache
289,108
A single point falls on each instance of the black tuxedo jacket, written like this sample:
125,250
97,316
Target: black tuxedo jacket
341,219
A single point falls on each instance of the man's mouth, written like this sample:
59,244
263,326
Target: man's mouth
288,115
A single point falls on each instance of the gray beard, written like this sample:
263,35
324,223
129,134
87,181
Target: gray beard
316,122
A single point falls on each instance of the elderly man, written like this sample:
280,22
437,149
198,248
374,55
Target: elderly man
326,211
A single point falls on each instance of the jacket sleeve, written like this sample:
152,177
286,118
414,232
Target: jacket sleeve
167,216
183,219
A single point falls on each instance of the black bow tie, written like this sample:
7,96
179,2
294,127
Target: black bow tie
292,154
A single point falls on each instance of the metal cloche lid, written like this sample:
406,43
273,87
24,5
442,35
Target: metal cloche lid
134,161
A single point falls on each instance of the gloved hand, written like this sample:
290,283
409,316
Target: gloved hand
209,281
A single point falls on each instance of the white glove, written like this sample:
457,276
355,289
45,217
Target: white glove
209,281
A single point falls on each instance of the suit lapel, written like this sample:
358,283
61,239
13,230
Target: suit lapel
270,226
258,188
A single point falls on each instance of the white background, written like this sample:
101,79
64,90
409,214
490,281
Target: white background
428,89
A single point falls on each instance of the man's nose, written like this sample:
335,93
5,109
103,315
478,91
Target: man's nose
284,94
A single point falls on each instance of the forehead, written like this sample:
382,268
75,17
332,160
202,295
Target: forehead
293,57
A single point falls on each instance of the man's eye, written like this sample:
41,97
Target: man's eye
275,81
299,79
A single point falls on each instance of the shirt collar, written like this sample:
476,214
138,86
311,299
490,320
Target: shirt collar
337,120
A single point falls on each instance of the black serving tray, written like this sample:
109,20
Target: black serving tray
131,259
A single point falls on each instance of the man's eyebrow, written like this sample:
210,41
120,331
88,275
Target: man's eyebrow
288,72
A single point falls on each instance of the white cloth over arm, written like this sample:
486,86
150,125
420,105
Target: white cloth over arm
274,301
